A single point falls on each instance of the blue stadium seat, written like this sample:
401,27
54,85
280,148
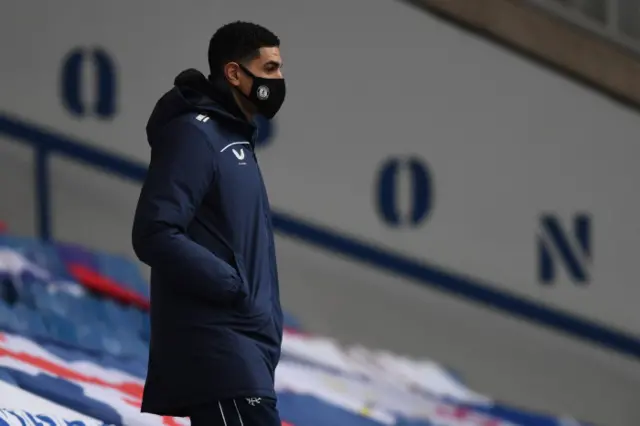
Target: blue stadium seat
8,291
102,309
16,242
24,289
39,252
106,337
123,271
89,338
62,329
67,394
112,344
64,304
46,298
14,289
61,304
86,309
145,332
115,315
29,322
5,376
79,308
8,320
305,410
290,321
137,367
69,353
132,346
89,308
134,320
41,296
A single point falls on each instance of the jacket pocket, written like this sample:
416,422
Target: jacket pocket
245,289
247,311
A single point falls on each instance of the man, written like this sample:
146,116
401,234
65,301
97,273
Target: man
203,224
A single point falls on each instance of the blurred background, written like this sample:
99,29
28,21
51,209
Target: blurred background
452,184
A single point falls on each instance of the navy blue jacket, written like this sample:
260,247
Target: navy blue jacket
203,225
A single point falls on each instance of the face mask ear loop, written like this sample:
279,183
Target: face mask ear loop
246,70
250,74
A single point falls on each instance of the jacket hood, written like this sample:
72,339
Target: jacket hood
193,92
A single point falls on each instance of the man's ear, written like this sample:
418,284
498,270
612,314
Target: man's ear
231,73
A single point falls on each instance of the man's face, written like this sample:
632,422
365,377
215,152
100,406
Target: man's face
267,65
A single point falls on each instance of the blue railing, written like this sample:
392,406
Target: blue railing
46,143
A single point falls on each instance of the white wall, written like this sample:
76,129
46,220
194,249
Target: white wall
504,141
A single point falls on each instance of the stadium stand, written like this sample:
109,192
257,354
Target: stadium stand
73,347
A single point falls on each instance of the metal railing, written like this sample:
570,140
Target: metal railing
45,144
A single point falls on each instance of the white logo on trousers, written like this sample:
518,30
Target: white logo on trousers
253,401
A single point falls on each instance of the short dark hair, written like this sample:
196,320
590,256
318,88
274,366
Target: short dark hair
238,42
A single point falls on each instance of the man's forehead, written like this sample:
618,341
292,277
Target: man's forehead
270,54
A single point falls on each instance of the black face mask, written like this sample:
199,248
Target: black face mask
267,94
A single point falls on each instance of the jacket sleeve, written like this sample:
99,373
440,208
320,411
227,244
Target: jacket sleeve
180,173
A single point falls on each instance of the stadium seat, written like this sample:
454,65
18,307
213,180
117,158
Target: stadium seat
42,254
88,352
6,377
29,322
62,304
291,322
122,270
8,320
305,410
41,296
145,331
91,309
8,291
84,310
132,346
62,329
113,345
65,393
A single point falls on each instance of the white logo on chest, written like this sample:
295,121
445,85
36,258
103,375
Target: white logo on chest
239,154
